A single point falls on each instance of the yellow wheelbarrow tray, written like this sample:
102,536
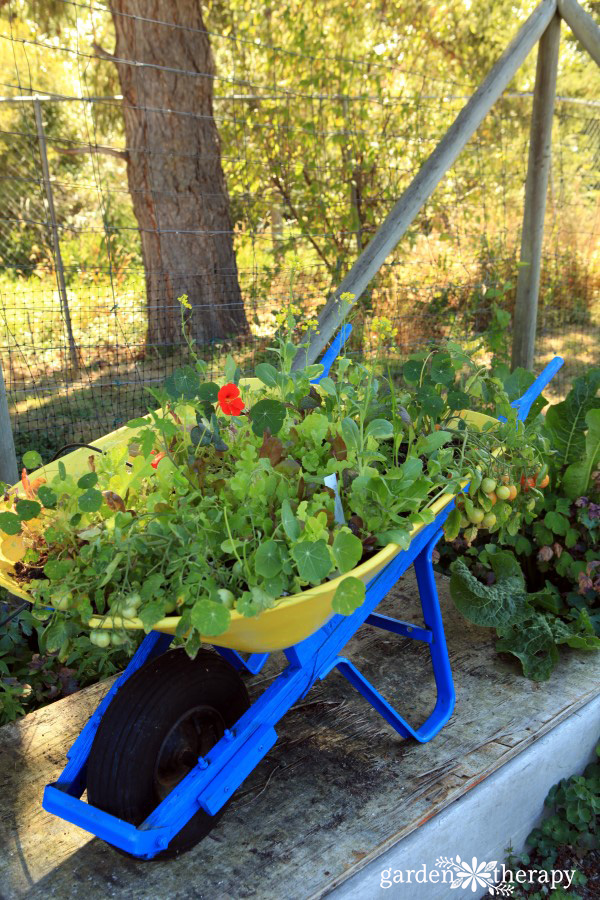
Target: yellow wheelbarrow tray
290,621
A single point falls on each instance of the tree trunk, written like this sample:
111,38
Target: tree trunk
174,169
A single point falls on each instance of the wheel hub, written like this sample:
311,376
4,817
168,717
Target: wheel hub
191,736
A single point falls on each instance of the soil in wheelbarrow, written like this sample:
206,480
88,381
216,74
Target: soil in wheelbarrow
25,573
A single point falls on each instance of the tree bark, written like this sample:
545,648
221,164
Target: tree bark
174,169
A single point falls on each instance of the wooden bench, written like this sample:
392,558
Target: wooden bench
337,791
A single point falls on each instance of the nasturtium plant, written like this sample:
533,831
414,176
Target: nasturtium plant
233,495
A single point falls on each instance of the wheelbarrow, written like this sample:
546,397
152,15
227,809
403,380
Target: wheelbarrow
174,738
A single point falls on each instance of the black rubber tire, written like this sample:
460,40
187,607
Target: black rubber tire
170,703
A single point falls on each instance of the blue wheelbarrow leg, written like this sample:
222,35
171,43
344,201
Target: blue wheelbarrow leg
252,664
432,634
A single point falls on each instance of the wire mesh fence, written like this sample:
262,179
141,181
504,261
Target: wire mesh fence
243,160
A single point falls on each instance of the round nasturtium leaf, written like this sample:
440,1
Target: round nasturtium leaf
88,481
208,392
90,501
350,594
313,560
184,383
431,402
267,559
347,551
267,415
210,618
411,371
9,523
442,370
32,459
28,509
47,496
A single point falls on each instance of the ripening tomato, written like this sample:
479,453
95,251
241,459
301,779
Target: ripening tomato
544,482
527,483
512,492
503,492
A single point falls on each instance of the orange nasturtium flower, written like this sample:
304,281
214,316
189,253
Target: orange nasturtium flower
157,458
230,401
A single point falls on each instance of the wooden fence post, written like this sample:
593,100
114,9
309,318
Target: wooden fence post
536,188
424,183
582,25
9,471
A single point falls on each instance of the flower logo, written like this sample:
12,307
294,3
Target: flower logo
230,401
473,876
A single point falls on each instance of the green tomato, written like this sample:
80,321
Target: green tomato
129,612
476,515
226,597
488,485
117,640
99,637
489,520
503,492
133,600
62,602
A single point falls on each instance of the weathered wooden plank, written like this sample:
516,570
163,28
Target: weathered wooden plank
536,188
429,176
338,789
582,25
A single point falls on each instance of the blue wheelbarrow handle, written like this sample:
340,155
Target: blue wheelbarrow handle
524,403
333,351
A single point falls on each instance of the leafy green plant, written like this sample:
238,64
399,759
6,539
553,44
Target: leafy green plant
232,497
529,625
574,807
566,840
539,585
31,676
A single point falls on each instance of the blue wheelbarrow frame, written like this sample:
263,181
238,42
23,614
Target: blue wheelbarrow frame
215,778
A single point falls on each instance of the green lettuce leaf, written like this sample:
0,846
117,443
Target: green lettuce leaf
497,605
566,422
576,479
